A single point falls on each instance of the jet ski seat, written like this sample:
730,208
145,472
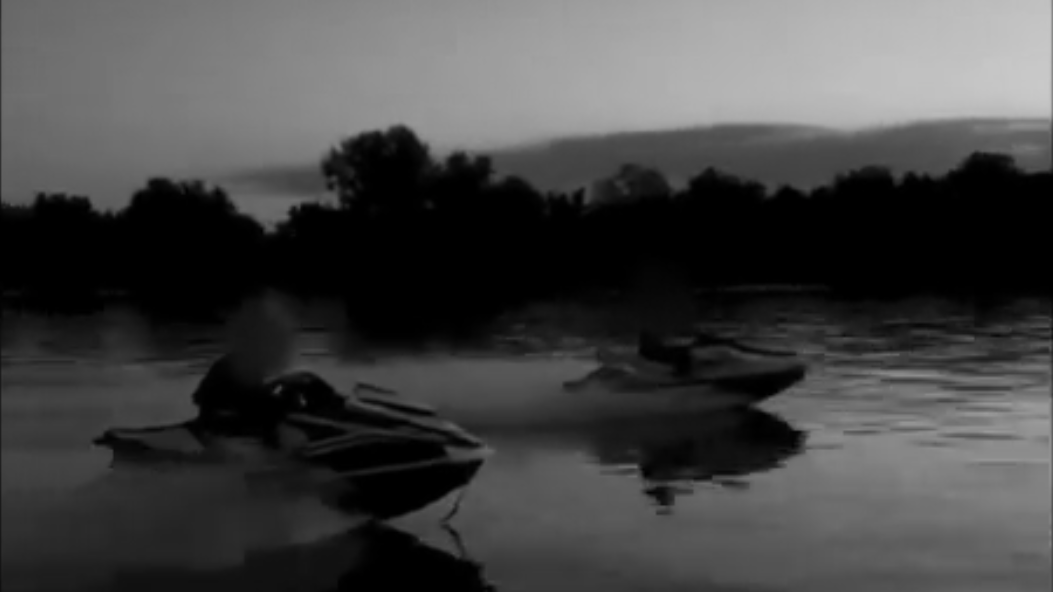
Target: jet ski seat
679,352
675,355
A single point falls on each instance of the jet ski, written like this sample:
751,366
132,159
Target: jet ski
370,452
730,373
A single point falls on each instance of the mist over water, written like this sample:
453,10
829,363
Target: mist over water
939,425
492,394
73,523
137,520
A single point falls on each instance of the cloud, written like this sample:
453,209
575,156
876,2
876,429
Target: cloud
293,180
774,154
779,154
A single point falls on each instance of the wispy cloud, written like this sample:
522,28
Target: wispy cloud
773,154
293,180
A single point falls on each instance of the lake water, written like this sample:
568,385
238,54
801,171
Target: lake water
915,456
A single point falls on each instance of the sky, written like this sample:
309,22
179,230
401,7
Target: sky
99,95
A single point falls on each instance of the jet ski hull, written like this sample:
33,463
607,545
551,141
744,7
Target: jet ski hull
179,443
746,382
361,455
386,481
389,495
761,386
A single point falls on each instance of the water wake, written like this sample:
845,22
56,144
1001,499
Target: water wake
210,519
131,521
495,394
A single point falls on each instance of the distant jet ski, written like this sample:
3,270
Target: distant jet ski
699,365
371,452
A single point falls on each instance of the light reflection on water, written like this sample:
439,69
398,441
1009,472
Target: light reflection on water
915,455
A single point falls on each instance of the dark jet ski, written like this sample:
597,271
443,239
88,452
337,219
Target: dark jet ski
371,452
720,449
729,373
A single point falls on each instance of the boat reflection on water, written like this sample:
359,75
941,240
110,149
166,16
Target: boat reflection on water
674,456
396,560
371,558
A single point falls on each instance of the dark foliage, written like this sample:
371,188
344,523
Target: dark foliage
414,242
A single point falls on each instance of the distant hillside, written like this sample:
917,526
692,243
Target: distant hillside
802,156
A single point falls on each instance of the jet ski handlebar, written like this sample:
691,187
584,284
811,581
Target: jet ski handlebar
304,391
365,387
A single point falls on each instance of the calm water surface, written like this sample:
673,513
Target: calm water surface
916,456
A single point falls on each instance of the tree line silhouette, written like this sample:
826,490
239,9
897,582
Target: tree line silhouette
414,240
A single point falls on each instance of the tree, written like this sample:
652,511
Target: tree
985,166
865,183
456,188
66,245
189,239
380,172
631,183
15,234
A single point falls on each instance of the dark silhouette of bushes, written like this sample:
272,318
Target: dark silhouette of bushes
177,244
187,243
53,246
443,242
414,242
